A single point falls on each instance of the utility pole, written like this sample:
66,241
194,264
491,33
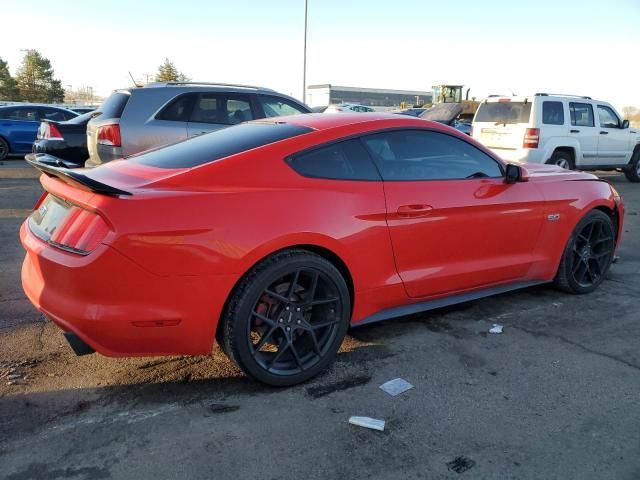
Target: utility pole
304,58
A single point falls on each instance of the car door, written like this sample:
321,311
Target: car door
23,124
454,223
213,111
614,141
583,129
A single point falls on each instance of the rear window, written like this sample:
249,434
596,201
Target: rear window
218,144
80,119
504,112
114,105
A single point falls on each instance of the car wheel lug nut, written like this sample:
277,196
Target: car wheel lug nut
281,320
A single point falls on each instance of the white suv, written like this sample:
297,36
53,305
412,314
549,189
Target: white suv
566,130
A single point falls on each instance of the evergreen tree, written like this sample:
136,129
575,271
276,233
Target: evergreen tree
35,79
167,72
8,85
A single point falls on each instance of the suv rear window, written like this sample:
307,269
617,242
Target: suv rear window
114,105
218,144
504,112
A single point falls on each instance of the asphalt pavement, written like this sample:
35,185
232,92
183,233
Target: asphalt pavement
555,396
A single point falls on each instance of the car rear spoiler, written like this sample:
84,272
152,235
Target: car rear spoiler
55,167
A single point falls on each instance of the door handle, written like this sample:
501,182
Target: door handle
574,131
414,211
604,133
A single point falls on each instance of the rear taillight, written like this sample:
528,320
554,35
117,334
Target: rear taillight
49,131
531,138
80,231
109,135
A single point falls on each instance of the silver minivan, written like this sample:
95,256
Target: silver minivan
135,119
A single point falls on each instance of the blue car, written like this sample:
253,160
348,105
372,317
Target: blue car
19,125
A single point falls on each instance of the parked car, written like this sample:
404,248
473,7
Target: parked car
262,235
348,108
19,125
82,110
565,130
67,141
412,112
136,119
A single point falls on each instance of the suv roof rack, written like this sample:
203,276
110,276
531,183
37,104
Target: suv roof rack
234,85
561,95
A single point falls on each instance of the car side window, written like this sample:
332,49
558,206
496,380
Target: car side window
277,107
581,114
607,117
179,109
238,111
552,113
24,114
206,109
428,155
346,160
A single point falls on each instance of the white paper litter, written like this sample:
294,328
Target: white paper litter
368,422
497,328
396,386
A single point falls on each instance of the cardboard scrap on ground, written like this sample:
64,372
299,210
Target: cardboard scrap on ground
367,422
396,386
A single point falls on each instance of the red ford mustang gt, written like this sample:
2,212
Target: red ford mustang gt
275,236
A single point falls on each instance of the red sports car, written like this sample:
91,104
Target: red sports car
275,236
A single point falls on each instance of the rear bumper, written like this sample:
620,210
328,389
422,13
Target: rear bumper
106,153
524,155
118,308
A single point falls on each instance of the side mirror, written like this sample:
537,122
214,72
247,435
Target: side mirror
515,173
625,124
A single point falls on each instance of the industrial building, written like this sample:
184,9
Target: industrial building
327,94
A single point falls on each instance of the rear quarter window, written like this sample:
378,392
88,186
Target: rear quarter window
347,160
218,144
552,113
114,105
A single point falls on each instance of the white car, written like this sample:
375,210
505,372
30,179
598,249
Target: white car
348,108
569,131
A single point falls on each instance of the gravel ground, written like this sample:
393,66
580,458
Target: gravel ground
555,396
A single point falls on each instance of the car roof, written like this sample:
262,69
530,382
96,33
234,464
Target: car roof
321,121
31,105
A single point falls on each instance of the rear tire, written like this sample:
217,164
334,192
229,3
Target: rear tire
4,149
632,172
588,254
562,159
287,318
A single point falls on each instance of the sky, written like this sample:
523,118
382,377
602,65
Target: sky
490,46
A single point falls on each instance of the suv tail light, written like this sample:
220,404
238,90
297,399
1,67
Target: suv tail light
49,131
68,226
531,138
109,135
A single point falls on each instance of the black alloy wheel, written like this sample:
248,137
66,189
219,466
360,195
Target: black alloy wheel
588,255
288,318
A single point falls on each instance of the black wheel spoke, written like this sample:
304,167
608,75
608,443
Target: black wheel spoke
316,326
602,240
324,301
594,268
292,286
316,345
283,347
276,296
263,340
314,286
296,356
265,319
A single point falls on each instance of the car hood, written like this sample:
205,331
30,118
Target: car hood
542,171
443,112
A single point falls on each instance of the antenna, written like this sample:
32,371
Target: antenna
133,80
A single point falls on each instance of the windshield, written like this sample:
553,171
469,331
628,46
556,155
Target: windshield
504,112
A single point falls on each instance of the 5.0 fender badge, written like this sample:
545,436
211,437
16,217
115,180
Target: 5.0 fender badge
553,217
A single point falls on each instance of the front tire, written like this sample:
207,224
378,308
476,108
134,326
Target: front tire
633,171
287,318
562,159
588,254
